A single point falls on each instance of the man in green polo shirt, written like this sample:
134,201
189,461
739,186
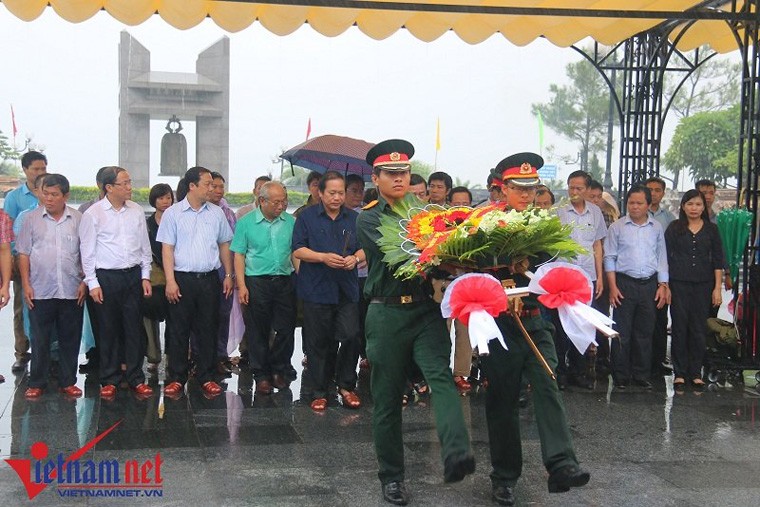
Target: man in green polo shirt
402,324
263,273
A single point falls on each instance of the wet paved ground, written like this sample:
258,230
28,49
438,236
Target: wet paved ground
642,448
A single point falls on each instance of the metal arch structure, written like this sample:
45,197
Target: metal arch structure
748,38
647,60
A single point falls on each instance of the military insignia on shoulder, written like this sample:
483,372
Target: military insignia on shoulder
370,205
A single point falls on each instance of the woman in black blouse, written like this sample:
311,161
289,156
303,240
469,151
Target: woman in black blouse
155,307
695,263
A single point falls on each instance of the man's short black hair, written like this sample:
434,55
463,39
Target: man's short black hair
543,189
56,180
262,178
217,176
595,185
31,156
656,179
639,188
441,176
416,179
354,178
159,190
704,183
193,175
330,175
580,174
459,190
99,177
313,176
110,174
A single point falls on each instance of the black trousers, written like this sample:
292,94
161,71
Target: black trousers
271,306
363,306
331,336
690,308
122,336
223,329
65,315
660,338
93,354
634,320
196,313
571,362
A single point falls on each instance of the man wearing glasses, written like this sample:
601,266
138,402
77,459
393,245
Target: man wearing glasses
116,259
263,270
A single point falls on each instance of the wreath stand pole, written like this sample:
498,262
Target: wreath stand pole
532,344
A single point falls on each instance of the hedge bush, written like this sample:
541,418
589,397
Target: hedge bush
140,196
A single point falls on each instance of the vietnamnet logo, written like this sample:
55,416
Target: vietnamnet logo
74,477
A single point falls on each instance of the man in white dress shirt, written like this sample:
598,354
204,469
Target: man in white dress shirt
116,260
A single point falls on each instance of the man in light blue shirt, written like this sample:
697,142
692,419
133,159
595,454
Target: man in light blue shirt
33,164
589,230
196,242
636,265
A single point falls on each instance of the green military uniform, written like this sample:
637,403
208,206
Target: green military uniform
504,370
396,333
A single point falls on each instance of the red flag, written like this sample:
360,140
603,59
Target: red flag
13,122
308,129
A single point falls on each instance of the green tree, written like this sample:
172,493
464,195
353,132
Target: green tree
714,85
422,168
578,111
8,154
706,145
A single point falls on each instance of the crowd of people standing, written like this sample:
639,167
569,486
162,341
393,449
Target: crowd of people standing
224,281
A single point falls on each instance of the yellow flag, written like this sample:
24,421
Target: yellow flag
438,135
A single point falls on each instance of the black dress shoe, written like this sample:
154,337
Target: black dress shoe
18,366
621,384
569,476
395,492
643,383
280,382
582,381
457,466
502,495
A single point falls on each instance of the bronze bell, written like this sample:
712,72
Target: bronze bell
173,150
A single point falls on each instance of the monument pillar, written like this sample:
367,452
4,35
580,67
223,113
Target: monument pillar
202,97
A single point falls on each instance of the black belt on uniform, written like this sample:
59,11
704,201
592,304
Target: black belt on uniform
194,274
642,281
399,300
122,270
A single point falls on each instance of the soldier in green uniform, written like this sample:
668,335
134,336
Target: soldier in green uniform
402,324
504,368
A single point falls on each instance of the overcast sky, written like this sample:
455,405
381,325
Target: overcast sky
62,80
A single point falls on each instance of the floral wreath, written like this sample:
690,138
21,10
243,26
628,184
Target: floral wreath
473,239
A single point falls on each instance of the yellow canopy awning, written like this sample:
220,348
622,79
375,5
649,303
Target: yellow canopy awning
563,22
